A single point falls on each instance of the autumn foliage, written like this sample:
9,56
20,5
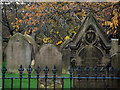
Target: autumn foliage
55,22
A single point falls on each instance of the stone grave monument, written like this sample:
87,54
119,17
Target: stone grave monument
89,47
50,56
19,51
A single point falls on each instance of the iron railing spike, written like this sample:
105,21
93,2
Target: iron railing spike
86,69
20,66
96,68
46,69
38,66
21,69
71,69
29,69
103,69
29,66
111,69
119,69
54,67
79,70
4,69
38,69
54,70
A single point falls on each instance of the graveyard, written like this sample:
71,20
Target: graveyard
88,56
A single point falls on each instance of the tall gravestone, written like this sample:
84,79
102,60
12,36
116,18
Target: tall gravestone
89,47
18,52
49,56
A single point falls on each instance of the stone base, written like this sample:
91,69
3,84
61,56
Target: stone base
50,83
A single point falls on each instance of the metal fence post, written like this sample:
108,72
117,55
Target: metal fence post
46,74
29,69
103,70
37,71
3,76
21,69
71,72
54,75
87,75
96,70
112,75
79,71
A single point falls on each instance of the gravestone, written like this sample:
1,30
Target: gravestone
89,47
50,56
18,52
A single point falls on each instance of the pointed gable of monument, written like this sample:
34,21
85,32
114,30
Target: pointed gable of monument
90,30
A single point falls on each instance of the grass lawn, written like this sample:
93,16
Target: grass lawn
33,82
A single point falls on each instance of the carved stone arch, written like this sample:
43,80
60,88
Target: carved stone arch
100,50
90,55
90,26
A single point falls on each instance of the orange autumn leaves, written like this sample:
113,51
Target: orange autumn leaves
43,17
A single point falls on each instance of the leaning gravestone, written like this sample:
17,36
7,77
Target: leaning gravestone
50,56
18,52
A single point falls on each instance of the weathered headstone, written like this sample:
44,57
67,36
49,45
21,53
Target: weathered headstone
50,56
89,47
18,52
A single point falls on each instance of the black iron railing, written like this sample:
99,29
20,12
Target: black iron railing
99,73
